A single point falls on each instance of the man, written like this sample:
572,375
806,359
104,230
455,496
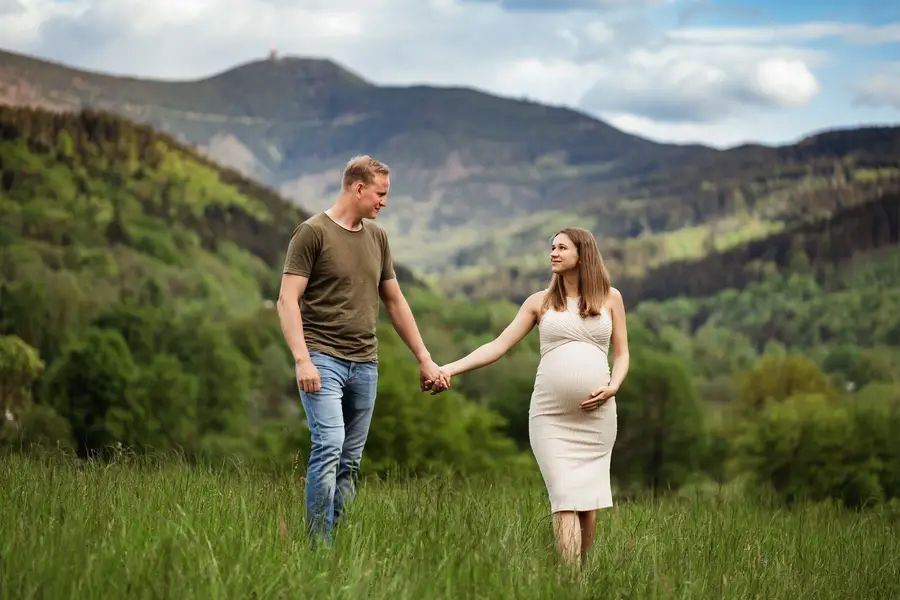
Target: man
336,269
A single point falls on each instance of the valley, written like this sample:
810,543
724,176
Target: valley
482,182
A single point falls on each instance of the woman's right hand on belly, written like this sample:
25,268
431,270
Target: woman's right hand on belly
597,398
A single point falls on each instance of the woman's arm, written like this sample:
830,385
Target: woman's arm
621,357
521,325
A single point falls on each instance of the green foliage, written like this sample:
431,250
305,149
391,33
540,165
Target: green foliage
855,367
662,435
142,275
809,447
876,413
856,306
777,378
20,367
91,387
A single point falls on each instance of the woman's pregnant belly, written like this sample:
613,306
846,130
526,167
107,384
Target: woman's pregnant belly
566,377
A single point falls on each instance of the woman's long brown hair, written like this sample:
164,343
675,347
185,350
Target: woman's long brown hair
593,278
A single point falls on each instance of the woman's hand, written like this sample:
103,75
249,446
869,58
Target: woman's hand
441,383
598,397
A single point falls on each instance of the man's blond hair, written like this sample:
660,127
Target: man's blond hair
363,168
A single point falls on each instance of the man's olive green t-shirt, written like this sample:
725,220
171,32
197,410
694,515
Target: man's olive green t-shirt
344,267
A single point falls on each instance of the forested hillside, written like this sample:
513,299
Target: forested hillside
830,202
481,182
137,285
135,310
818,246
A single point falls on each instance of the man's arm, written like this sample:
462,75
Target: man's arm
292,288
301,255
402,318
405,324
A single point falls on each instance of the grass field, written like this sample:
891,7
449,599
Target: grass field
164,530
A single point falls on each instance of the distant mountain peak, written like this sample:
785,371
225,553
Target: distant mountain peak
281,67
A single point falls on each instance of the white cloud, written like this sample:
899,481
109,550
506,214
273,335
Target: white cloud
725,133
796,33
21,20
684,83
552,81
606,57
787,83
11,7
881,88
569,5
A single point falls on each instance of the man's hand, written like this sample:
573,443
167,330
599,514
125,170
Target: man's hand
430,375
308,376
598,397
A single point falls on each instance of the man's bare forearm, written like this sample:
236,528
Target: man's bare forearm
405,324
292,327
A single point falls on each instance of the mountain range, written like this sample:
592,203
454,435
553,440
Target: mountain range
481,182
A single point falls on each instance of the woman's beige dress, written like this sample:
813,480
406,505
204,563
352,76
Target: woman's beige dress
573,447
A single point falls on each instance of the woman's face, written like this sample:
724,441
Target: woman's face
563,255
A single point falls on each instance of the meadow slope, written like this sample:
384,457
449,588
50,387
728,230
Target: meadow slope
150,529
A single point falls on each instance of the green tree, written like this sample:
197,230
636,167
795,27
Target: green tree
876,413
224,375
855,367
717,351
808,447
20,368
167,398
92,386
43,428
662,431
776,378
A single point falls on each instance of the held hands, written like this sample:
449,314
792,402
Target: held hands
598,397
432,377
440,384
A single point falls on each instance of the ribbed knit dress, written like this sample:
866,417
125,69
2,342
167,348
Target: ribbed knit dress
573,447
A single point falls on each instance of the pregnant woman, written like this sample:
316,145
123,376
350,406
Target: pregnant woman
572,417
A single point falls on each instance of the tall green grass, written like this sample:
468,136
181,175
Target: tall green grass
163,529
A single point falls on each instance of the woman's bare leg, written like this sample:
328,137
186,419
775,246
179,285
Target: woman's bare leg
588,522
567,529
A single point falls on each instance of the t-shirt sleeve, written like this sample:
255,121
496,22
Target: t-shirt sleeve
387,262
302,251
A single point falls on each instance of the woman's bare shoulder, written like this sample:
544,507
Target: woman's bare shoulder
535,300
538,297
614,300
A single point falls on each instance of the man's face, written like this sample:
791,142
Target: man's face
373,197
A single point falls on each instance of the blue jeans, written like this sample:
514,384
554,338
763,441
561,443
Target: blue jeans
338,415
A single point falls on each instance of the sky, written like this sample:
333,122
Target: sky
684,71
